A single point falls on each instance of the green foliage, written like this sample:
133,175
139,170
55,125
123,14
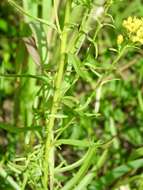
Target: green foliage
70,96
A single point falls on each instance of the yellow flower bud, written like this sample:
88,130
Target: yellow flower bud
120,39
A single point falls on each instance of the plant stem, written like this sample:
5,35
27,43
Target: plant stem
49,148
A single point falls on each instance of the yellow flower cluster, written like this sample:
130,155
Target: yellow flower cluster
134,27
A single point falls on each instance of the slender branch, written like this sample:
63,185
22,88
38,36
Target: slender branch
21,10
70,167
38,77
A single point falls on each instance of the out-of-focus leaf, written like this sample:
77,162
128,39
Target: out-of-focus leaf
82,171
134,136
3,25
32,49
8,179
89,177
25,30
70,101
79,143
136,153
116,173
79,67
10,128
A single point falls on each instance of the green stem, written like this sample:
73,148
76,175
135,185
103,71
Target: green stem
120,54
49,148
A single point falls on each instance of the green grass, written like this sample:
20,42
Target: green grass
71,98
